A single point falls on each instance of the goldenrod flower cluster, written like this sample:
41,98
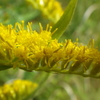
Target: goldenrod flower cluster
50,9
18,90
31,50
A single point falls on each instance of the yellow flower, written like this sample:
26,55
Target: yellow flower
50,9
18,90
31,50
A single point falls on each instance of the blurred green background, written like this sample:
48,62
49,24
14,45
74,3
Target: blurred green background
84,26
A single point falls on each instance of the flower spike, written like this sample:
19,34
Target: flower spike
18,90
52,9
31,50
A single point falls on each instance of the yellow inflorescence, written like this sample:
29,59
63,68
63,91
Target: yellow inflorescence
50,9
31,50
18,90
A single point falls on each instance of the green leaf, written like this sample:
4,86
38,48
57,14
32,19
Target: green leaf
65,20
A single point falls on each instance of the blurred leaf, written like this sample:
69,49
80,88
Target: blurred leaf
65,20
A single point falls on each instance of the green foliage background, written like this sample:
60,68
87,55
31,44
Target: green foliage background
84,27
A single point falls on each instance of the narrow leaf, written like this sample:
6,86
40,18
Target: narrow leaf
65,20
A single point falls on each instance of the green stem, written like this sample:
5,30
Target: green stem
4,67
39,86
